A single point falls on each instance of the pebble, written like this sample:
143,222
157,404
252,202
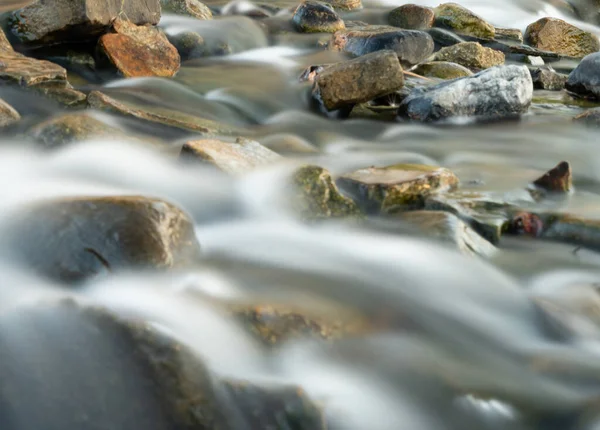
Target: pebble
556,35
471,55
584,81
317,17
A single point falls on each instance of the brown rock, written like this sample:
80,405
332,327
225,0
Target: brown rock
359,80
556,35
558,179
239,157
140,51
67,20
471,55
345,4
394,188
192,8
412,17
317,17
8,114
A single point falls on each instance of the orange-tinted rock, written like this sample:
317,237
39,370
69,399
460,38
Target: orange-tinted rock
556,35
138,51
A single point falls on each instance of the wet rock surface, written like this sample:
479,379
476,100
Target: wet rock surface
359,80
411,46
317,17
74,239
412,17
559,179
548,79
193,8
509,34
471,55
558,36
497,92
584,81
463,21
442,70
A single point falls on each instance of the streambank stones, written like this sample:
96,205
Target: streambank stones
494,93
316,17
359,80
471,55
462,21
584,81
412,17
556,35
442,70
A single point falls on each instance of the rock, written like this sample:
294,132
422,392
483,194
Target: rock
548,79
509,34
463,21
8,114
590,117
4,43
442,70
558,36
158,114
287,143
316,17
449,228
443,37
311,72
396,188
189,44
38,75
412,17
493,93
138,51
235,158
193,8
359,80
559,179
345,4
584,81
71,239
314,195
47,22
471,55
411,46
534,61
70,128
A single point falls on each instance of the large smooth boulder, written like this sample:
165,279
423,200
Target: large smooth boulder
494,93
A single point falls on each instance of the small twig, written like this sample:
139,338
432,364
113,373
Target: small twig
415,75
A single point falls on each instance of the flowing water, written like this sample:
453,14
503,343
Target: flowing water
465,344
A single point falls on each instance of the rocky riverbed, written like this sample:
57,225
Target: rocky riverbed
334,214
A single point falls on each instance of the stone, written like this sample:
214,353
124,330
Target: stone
498,92
443,37
70,128
359,80
4,43
584,81
471,55
548,79
509,34
288,143
398,187
442,70
311,72
189,44
138,51
235,158
8,114
317,17
448,228
462,21
345,4
158,114
534,61
72,239
47,22
40,76
411,46
193,8
556,35
590,117
314,195
412,17
559,179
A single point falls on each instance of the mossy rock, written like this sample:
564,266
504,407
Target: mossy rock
442,70
462,21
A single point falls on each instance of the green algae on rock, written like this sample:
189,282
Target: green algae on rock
398,187
556,35
442,70
462,21
317,17
314,195
471,55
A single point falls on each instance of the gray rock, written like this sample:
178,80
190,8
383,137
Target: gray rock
411,46
548,79
45,22
442,70
584,81
509,34
494,93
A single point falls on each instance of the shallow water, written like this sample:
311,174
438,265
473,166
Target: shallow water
464,344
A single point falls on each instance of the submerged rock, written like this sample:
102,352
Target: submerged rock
45,22
411,46
359,80
189,44
556,35
396,188
442,70
239,157
138,51
316,17
449,228
509,34
471,55
463,21
412,17
548,79
590,117
193,8
493,93
8,114
584,81
72,239
314,195
559,179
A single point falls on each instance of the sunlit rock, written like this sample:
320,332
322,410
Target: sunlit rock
471,55
556,35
